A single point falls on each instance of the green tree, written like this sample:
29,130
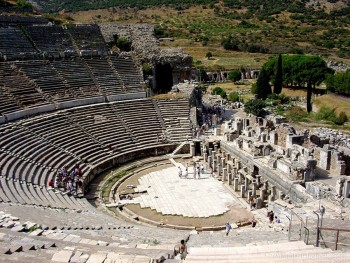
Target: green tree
339,83
234,75
263,88
255,107
278,80
209,55
301,71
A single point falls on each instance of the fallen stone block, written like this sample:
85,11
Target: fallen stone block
30,225
97,258
18,228
62,256
9,224
36,232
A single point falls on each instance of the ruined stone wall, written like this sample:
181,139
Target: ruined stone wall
146,49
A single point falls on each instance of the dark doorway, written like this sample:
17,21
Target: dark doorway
197,148
163,78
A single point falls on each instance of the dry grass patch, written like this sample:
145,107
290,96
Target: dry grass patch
334,101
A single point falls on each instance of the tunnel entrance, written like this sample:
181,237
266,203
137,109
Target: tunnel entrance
163,78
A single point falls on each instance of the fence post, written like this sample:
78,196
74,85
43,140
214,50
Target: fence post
318,230
336,242
290,224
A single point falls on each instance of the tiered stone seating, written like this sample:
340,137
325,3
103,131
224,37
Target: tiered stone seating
47,79
105,125
20,19
51,40
7,103
58,130
77,76
12,41
80,237
128,72
89,39
19,87
286,252
176,118
28,194
107,78
28,158
141,118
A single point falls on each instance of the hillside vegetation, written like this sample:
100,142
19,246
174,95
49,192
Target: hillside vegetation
252,28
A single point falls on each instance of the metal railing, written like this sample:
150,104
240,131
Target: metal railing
338,230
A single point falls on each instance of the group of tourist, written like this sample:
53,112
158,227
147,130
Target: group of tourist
212,116
198,169
69,181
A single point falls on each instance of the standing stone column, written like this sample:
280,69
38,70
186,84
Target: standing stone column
272,196
235,184
215,146
214,165
263,194
242,191
229,178
254,189
258,179
234,171
224,174
210,151
205,156
246,183
259,203
209,163
223,162
192,149
213,154
228,167
218,163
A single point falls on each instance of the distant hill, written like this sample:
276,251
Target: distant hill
273,6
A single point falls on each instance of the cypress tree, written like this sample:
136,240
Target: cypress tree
263,88
277,86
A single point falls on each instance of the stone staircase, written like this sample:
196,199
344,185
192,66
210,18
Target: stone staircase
278,252
80,237
178,129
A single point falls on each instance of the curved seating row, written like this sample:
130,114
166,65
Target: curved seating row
32,150
37,82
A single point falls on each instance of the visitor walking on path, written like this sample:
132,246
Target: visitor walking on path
180,172
228,228
270,215
183,249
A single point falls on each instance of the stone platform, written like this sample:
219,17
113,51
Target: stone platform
169,194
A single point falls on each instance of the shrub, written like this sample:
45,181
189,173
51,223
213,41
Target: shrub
147,69
234,96
234,75
217,91
326,114
297,113
123,44
255,107
341,119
